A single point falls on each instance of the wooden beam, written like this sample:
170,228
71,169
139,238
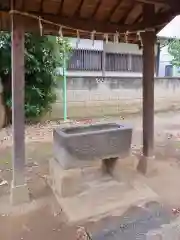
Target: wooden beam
113,10
60,7
127,13
154,2
78,10
18,4
23,5
159,20
4,5
41,6
174,5
96,9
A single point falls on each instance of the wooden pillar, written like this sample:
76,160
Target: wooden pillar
148,39
148,93
19,191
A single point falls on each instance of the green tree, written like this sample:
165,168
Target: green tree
174,51
43,55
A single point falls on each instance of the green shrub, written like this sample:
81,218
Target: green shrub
42,57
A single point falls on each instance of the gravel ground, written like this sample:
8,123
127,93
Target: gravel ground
44,223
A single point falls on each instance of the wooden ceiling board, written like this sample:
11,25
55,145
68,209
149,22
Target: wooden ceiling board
133,14
123,7
88,8
106,9
51,7
30,5
69,7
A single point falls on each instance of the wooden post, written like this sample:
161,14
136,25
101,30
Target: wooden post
19,191
148,93
148,39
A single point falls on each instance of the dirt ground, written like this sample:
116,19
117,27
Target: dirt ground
43,218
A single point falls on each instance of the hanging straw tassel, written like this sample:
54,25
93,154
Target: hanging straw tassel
126,36
114,38
106,37
93,37
78,38
140,40
117,37
61,32
40,26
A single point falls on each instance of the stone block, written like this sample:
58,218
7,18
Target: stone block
79,146
19,194
65,183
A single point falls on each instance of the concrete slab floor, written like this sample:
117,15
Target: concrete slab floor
136,222
99,194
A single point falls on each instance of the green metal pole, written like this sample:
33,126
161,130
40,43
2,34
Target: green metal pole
64,87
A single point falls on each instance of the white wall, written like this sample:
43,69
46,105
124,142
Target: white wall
86,44
100,74
122,48
105,100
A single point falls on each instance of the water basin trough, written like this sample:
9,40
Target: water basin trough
78,146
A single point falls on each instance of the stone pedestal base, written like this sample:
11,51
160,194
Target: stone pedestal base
146,165
68,183
19,194
90,193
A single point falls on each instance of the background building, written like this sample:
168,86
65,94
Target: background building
102,58
171,30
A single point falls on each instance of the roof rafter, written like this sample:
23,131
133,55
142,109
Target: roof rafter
113,10
174,4
60,7
97,7
129,9
78,10
41,5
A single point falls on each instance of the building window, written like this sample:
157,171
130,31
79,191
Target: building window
90,60
168,71
116,62
137,64
85,60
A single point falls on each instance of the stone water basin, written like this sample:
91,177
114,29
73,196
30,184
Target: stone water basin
78,146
